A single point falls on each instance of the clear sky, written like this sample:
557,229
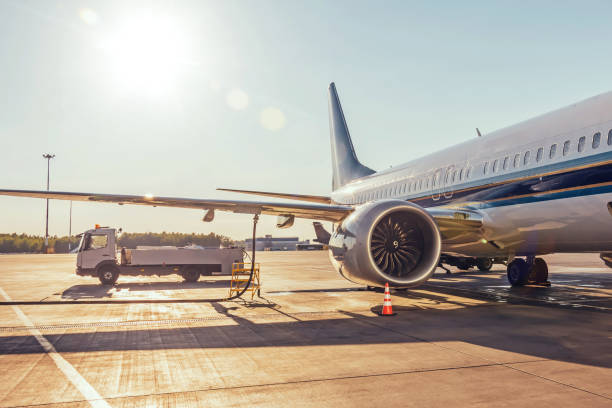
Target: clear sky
179,98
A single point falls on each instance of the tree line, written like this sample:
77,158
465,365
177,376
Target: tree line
23,243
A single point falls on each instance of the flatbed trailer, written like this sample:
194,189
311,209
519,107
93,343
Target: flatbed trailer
98,257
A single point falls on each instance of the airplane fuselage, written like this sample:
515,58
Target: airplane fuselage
543,185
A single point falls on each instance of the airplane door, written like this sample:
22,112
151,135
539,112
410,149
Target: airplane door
448,193
437,185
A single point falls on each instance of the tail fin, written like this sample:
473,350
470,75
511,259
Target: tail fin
345,165
322,234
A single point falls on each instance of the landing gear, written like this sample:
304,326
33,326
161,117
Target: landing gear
539,271
518,272
464,263
533,270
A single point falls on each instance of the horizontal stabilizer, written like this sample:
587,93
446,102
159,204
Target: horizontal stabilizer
299,197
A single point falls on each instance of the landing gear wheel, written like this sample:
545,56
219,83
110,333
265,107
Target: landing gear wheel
484,264
108,275
190,274
464,265
518,272
539,271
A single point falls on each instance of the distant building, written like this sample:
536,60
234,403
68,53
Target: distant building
269,243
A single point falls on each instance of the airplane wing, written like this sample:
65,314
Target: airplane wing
324,212
451,221
299,197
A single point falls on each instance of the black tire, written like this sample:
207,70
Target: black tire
464,265
540,270
518,272
108,274
190,274
484,264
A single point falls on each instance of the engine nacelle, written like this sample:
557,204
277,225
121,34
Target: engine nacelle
387,241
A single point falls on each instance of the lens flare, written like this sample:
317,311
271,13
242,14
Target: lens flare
272,118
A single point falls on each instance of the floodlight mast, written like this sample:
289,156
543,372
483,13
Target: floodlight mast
46,244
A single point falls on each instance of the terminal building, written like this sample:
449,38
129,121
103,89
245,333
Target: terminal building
269,243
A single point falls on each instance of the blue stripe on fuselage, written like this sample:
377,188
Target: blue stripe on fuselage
531,185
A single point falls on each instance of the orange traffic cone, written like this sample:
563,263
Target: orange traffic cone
387,309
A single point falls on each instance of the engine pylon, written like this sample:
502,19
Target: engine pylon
387,309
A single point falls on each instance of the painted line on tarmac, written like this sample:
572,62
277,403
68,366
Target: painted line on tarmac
81,384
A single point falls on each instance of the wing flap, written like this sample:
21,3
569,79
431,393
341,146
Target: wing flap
299,197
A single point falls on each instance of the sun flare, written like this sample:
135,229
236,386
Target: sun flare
147,53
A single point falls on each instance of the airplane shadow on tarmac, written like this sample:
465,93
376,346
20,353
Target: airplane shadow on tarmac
97,291
533,332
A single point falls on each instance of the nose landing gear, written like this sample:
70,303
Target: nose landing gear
530,271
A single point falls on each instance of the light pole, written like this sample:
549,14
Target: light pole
70,227
48,157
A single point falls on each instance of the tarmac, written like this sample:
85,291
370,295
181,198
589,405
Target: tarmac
312,339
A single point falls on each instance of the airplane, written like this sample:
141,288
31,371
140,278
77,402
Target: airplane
541,186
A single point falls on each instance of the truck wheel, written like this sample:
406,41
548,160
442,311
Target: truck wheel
190,274
108,275
484,264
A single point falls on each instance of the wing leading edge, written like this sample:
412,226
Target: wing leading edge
324,212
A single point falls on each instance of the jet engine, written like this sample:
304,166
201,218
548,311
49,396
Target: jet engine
386,241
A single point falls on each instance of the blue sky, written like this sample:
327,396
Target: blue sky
167,97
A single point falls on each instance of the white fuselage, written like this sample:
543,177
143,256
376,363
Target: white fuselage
543,185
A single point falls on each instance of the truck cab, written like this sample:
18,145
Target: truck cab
97,248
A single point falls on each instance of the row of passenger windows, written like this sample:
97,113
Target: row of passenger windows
433,181
421,184
499,164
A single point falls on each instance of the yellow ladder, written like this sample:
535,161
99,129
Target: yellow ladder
240,277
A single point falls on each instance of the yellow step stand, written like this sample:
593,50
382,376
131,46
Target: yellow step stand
240,277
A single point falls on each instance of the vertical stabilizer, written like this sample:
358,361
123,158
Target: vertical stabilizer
345,165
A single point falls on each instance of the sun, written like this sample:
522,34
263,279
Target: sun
147,52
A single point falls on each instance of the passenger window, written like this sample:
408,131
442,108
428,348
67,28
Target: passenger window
610,137
539,154
553,150
517,160
460,174
505,162
581,144
596,140
467,173
526,158
495,166
486,167
566,147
